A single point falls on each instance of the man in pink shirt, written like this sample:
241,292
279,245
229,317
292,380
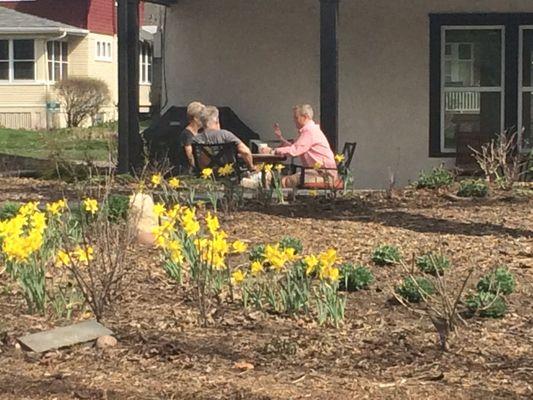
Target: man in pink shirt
311,146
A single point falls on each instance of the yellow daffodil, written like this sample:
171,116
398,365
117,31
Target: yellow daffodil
317,165
212,223
174,183
311,263
63,259
156,179
329,273
239,247
279,167
339,158
29,208
256,267
275,257
84,255
267,167
207,173
159,209
313,192
237,277
90,205
226,170
56,208
328,258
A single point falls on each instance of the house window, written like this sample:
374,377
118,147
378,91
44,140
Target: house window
145,55
17,59
481,80
103,51
57,60
472,88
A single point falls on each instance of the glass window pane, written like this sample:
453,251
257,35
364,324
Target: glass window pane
109,50
98,49
527,121
50,50
57,71
24,70
4,70
149,73
64,51
23,49
4,49
57,50
473,115
527,58
65,71
51,71
475,57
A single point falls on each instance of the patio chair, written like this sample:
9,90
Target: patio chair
348,152
215,156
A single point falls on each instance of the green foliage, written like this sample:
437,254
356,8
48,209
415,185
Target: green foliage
487,305
433,263
500,280
329,304
354,278
473,188
257,253
8,210
117,207
414,290
386,255
289,242
434,179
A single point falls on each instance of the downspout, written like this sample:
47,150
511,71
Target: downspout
47,73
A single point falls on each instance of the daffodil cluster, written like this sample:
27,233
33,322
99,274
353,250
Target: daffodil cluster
323,265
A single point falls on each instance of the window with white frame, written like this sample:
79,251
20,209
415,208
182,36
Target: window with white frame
17,60
472,88
525,88
145,61
103,50
57,60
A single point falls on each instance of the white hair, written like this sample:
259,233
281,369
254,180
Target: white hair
208,116
304,109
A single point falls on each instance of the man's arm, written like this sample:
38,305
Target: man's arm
246,155
188,153
299,147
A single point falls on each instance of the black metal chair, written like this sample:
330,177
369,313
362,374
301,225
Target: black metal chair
348,151
215,156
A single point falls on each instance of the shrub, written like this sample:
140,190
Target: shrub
354,278
8,210
433,264
500,280
81,98
436,178
487,305
117,207
415,289
386,255
473,188
291,242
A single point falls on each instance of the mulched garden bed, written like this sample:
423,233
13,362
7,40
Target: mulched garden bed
383,351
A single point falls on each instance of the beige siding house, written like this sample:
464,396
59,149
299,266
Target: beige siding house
415,77
36,52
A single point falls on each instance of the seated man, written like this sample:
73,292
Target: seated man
311,146
213,134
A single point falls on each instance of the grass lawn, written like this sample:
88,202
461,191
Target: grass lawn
64,144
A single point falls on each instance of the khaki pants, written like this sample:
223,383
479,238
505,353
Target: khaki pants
311,177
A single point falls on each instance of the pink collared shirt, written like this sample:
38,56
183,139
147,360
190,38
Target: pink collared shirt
311,146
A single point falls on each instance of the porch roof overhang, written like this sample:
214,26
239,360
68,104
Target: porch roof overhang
21,30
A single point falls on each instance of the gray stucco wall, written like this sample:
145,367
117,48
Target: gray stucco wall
262,56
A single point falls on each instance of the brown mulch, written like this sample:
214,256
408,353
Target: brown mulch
384,351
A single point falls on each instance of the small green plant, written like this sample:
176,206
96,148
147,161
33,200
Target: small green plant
432,263
117,207
289,242
414,290
257,253
386,255
500,280
487,305
473,188
8,210
434,179
354,278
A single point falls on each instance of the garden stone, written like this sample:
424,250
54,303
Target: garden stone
106,342
144,218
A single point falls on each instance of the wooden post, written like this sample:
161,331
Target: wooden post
329,71
129,140
123,105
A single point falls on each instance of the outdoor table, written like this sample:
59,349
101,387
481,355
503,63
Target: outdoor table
268,158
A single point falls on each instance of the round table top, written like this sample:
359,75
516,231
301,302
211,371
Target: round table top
268,158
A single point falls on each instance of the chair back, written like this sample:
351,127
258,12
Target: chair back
215,156
348,152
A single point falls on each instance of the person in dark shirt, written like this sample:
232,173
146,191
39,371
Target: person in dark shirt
194,110
213,134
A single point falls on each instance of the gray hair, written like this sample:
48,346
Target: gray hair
305,110
194,110
208,115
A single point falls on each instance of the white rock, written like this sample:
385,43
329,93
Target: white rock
105,342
